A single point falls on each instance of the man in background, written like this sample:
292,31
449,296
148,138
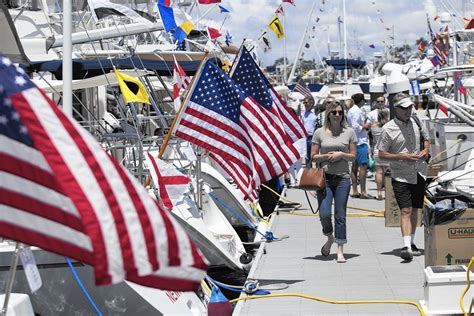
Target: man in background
356,121
308,118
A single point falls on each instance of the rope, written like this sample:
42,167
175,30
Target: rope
251,287
280,196
83,288
268,235
333,301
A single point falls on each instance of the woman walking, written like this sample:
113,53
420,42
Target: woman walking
334,145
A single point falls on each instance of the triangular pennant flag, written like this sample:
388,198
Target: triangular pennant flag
180,81
279,10
171,184
289,1
228,39
266,42
213,33
469,24
208,1
223,10
277,28
132,89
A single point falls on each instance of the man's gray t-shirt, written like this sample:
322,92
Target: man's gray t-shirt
328,143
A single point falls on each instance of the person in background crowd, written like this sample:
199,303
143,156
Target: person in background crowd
309,122
380,165
357,122
321,110
300,145
404,142
334,145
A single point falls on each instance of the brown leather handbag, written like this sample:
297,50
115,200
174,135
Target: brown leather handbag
312,179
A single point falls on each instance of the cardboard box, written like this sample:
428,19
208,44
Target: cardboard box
392,212
451,243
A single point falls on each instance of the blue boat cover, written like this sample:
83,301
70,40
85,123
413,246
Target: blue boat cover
82,69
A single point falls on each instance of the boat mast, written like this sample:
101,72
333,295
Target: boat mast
298,53
67,58
345,37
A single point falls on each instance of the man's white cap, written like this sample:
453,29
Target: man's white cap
397,82
404,103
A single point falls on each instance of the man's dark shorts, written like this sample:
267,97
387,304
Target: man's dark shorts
409,195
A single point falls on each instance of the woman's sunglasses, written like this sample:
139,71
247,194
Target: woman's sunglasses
337,112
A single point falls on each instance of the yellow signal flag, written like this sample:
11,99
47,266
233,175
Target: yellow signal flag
225,65
277,28
132,89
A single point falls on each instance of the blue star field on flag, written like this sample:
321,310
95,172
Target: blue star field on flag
216,91
251,80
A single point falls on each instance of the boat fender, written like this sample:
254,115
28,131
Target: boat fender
245,258
251,286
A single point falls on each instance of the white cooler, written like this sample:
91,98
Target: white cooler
443,288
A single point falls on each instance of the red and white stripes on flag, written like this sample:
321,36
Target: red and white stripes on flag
303,89
59,190
221,118
251,79
180,81
442,56
171,184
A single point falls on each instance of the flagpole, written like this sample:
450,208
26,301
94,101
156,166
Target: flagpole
11,279
67,58
285,53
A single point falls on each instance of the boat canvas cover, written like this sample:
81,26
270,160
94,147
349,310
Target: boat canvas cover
11,45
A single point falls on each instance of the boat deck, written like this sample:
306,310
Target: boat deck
374,270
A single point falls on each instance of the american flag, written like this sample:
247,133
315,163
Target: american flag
234,128
303,89
180,81
252,80
441,54
59,190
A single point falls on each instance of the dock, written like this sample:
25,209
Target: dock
374,269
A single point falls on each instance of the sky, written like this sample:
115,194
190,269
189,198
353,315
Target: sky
366,23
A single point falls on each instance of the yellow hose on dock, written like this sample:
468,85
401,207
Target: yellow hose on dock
332,301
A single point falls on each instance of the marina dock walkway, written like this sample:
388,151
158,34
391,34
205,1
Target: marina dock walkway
374,270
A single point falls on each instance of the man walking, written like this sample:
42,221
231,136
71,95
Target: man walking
405,144
356,121
308,118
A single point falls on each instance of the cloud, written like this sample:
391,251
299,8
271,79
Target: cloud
249,17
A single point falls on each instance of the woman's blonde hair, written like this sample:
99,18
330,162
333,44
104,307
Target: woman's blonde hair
383,116
331,107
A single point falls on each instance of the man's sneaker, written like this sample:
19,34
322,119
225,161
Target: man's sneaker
415,250
406,254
